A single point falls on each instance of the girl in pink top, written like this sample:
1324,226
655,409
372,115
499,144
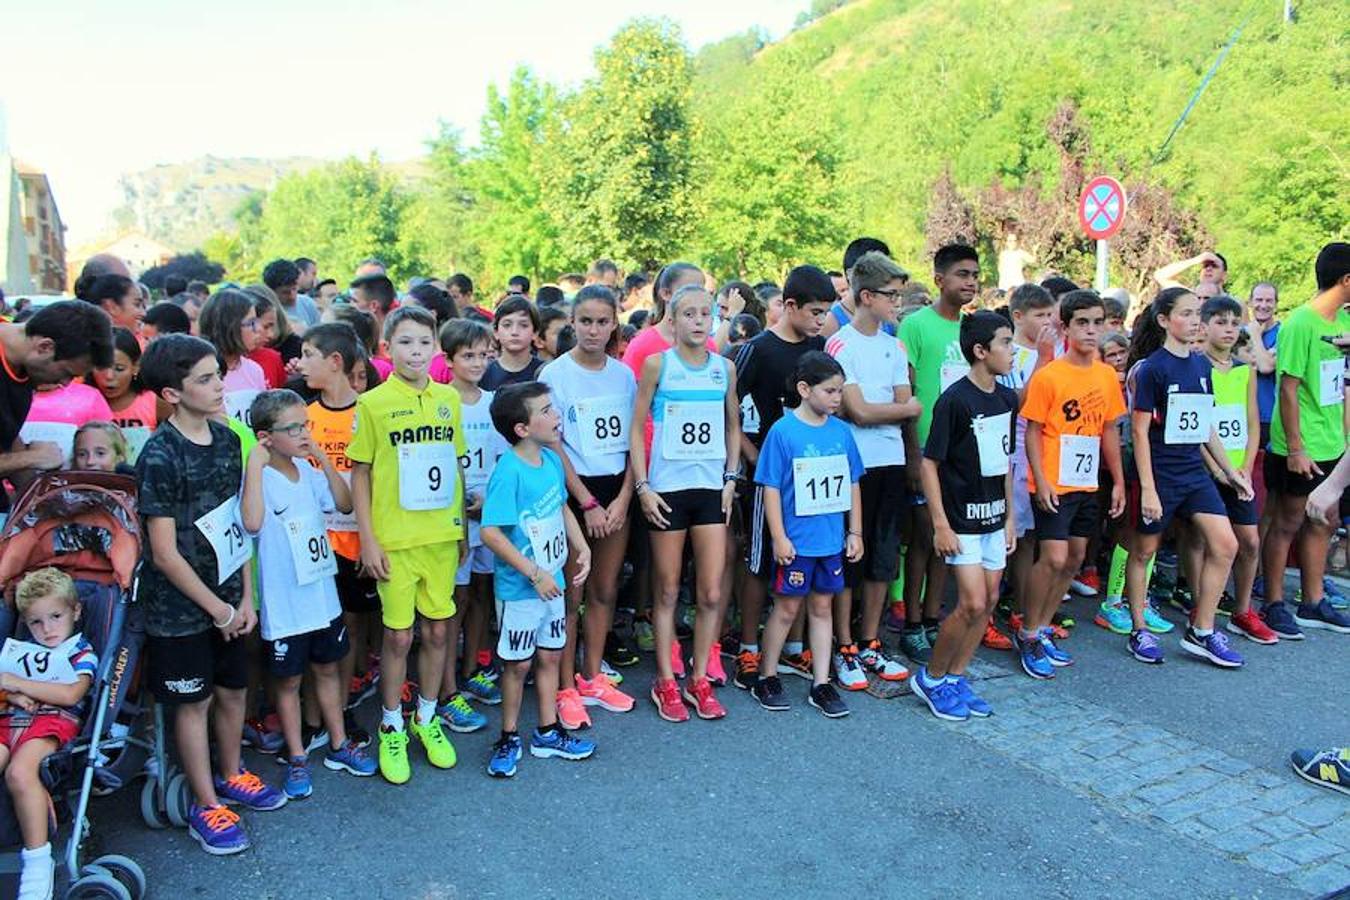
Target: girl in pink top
57,412
133,409
229,321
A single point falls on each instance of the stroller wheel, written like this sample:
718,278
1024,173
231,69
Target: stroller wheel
150,810
98,886
178,800
127,871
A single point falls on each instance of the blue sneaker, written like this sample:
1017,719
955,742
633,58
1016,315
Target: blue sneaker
1213,647
352,758
560,743
258,737
1145,648
943,697
248,790
1058,658
298,784
506,754
1333,594
1280,620
1034,661
1328,768
483,689
1154,621
1323,615
977,706
459,716
1114,616
217,829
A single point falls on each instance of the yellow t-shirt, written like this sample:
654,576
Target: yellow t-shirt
412,441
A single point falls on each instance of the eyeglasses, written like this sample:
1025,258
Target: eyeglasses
293,430
250,324
890,294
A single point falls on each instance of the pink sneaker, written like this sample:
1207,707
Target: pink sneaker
699,694
602,693
572,713
716,673
676,659
666,696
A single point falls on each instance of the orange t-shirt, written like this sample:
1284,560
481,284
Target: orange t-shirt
1074,400
331,430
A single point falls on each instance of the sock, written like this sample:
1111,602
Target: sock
1115,581
1202,632
391,719
793,648
929,680
426,710
751,648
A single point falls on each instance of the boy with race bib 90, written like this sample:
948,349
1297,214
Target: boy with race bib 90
407,491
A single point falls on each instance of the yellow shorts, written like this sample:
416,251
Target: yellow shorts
421,582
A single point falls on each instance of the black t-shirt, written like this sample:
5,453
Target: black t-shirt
498,375
973,432
764,365
16,396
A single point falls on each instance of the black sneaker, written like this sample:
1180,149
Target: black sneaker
619,653
826,699
769,693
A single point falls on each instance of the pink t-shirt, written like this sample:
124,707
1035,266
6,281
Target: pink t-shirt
246,376
73,404
383,366
140,414
439,370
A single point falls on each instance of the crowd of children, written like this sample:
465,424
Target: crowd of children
399,500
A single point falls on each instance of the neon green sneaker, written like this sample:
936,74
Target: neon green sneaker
394,756
440,752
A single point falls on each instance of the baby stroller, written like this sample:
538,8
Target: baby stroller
86,525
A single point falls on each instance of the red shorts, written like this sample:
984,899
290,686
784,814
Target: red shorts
48,725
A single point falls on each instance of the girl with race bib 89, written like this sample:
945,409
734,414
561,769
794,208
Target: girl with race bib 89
690,395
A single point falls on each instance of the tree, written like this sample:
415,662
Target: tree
951,218
436,222
192,266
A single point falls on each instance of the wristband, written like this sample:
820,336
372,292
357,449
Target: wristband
641,487
228,621
855,534
590,504
729,477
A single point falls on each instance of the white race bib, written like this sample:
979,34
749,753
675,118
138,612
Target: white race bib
237,404
821,484
1230,421
548,540
426,476
1079,459
36,662
992,437
476,460
1188,418
952,372
136,436
222,528
59,433
694,429
749,415
1329,381
313,557
341,521
602,423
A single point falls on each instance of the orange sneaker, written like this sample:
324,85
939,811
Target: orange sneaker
572,713
698,693
666,696
602,693
747,670
995,639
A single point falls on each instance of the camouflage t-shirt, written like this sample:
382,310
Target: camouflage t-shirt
185,482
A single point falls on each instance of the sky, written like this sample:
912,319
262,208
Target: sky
93,89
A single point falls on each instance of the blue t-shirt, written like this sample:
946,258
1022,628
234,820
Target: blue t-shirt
792,439
526,503
1265,384
1159,376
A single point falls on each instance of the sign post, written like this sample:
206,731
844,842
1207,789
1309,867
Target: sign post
1101,210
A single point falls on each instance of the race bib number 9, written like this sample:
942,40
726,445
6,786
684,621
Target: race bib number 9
694,430
548,540
36,662
1188,418
602,423
310,552
821,485
426,476
225,533
1230,421
1079,460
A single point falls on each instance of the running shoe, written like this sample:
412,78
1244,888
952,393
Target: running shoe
459,716
995,639
826,699
676,659
1114,617
1249,625
930,634
666,696
619,653
1153,619
1034,660
747,670
978,706
1213,647
1064,619
730,644
1087,584
556,743
297,783
572,710
848,670
1281,621
259,737
914,643
217,829
876,660
483,688
407,698
615,677
249,791
942,696
1226,603
506,755
717,673
394,756
798,664
770,694
698,693
350,758
1058,658
1182,599
601,692
440,752
644,636
1259,589
894,620
1324,616
1333,594
1145,648
362,687
1328,768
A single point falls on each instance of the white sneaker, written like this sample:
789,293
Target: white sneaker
848,671
38,874
875,660
609,672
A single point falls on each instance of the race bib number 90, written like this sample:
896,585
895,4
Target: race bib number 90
310,552
426,476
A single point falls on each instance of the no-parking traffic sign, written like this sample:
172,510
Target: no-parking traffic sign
1101,208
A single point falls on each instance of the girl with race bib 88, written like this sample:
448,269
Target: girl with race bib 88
690,395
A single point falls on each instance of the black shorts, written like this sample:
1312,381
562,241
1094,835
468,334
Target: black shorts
1240,512
758,541
288,656
1078,516
692,508
185,669
884,493
1183,500
356,592
604,488
1279,480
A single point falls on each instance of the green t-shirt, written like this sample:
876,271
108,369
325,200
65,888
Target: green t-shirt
1320,369
1231,389
934,348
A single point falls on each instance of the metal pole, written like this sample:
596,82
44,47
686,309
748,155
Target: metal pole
1288,11
1102,280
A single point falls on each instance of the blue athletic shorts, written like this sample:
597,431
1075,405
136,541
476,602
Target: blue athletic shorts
809,574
